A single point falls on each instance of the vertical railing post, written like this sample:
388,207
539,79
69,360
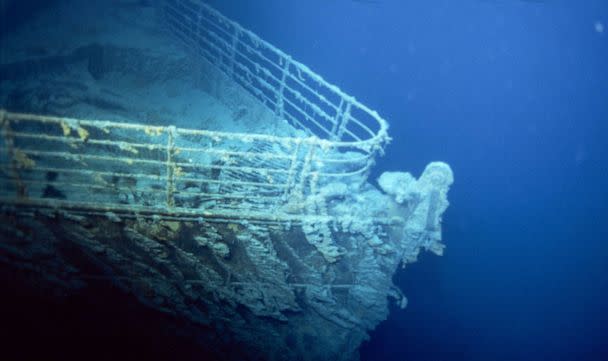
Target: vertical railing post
337,119
306,167
368,168
200,26
343,121
235,42
279,95
294,196
170,166
10,150
291,174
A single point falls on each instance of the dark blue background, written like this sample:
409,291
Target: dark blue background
514,95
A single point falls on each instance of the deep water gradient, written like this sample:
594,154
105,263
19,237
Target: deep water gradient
514,95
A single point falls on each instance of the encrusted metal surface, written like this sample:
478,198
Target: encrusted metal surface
127,167
108,166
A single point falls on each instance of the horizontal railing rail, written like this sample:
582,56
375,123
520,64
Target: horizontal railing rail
289,88
129,167
104,166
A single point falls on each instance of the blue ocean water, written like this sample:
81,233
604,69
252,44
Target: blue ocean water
514,96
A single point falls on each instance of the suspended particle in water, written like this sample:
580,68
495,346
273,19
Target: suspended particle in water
599,27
